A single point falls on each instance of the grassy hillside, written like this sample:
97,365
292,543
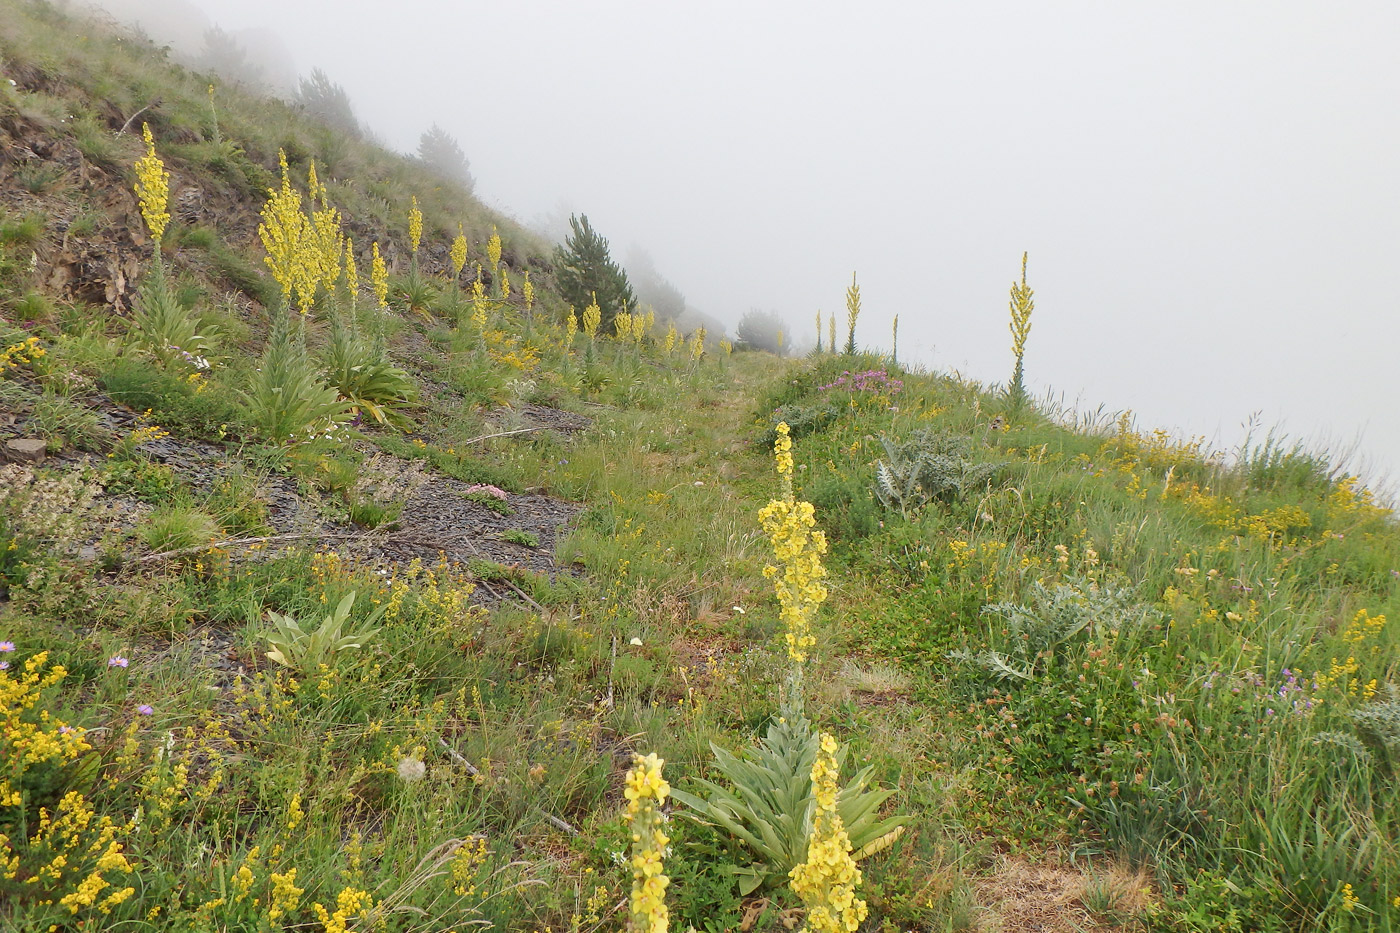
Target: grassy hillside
330,612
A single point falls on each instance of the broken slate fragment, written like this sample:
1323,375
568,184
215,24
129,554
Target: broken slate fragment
25,450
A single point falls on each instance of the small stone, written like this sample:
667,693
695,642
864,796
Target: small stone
25,450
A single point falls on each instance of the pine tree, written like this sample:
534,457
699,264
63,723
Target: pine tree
440,154
586,269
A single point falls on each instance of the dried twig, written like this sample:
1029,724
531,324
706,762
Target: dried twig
487,437
127,125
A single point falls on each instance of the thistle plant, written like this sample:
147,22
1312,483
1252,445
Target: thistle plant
646,792
1022,304
153,189
458,253
415,227
852,313
379,277
827,881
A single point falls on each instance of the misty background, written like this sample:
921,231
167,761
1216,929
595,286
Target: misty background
1208,192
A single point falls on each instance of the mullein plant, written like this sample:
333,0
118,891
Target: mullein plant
1022,304
827,881
894,342
153,191
457,255
493,255
831,332
819,331
785,805
852,314
646,791
160,324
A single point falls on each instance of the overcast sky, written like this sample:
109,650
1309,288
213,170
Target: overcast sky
1209,192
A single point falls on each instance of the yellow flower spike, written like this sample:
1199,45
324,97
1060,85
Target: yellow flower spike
458,253
697,344
831,331
352,271
646,790
1022,304
827,881
493,248
379,276
528,289
622,323
415,227
819,330
505,283
726,346
153,188
570,325
592,317
672,335
288,239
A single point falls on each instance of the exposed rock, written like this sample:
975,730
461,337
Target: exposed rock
25,450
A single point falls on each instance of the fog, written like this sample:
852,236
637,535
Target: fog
1208,192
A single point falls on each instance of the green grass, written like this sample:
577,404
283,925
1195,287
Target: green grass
1113,653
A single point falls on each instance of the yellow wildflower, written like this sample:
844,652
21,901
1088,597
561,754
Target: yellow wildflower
827,881
458,253
493,248
379,276
415,226
528,289
592,317
646,791
153,188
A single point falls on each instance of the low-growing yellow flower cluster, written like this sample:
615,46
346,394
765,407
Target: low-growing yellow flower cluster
646,791
153,188
798,546
25,353
827,881
29,740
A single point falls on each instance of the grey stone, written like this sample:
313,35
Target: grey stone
25,450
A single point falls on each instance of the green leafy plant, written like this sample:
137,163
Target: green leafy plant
166,327
306,650
177,527
519,536
287,399
771,804
367,379
930,465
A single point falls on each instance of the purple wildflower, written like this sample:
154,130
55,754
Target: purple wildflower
7,646
145,710
117,661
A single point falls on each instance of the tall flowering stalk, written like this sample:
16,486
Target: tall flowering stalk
646,791
852,313
831,332
1022,304
819,330
153,189
415,227
622,323
458,253
293,252
592,317
798,546
669,343
697,344
570,326
379,276
894,342
352,272
528,290
827,881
